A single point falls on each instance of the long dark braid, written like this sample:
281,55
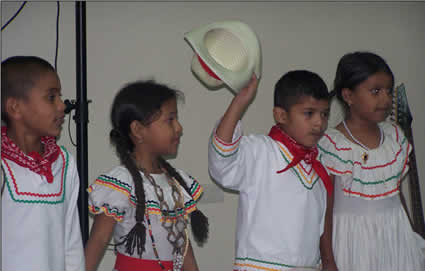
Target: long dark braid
198,220
136,238
141,101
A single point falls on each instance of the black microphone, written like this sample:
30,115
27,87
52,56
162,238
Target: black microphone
70,105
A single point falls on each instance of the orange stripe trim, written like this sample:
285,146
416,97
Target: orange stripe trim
224,143
299,169
117,188
256,266
106,212
224,150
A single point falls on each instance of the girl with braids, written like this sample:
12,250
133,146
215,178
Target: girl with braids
145,203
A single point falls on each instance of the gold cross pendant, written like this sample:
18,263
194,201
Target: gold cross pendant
365,156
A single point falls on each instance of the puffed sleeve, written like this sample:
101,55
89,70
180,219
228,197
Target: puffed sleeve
112,193
195,191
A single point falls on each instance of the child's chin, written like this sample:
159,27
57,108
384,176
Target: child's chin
309,144
55,133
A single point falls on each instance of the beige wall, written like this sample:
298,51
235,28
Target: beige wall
128,41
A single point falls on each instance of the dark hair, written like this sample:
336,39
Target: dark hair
296,84
354,68
19,74
141,101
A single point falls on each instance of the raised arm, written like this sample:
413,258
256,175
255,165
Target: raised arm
235,110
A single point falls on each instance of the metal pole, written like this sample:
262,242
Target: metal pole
81,116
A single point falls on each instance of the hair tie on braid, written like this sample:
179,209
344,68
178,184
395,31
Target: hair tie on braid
136,238
201,230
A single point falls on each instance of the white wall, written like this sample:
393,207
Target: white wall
140,40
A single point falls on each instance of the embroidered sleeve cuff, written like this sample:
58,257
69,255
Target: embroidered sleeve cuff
226,149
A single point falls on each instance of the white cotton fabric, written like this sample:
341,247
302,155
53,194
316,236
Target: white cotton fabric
280,216
40,221
374,235
371,230
114,201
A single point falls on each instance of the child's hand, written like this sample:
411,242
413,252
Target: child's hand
246,94
330,267
235,110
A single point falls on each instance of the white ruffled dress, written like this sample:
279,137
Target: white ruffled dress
371,230
113,194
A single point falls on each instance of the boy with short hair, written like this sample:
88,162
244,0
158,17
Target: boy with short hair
40,183
282,186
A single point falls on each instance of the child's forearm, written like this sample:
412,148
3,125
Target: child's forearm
100,236
228,123
235,111
326,250
189,263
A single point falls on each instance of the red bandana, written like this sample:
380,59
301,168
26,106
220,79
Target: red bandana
33,161
300,152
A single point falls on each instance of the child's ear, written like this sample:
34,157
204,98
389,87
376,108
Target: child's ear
13,108
280,115
136,131
347,94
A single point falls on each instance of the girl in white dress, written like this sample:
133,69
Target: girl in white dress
145,203
367,159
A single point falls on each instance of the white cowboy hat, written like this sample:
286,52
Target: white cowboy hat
226,52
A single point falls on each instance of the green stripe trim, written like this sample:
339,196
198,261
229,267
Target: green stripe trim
396,176
42,201
296,173
110,211
194,188
381,181
221,154
110,180
349,161
265,262
172,213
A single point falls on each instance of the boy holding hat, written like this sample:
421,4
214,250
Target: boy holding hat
282,186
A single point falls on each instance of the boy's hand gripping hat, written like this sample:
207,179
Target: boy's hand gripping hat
226,52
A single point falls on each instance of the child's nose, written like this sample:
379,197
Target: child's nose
387,97
179,128
61,105
321,121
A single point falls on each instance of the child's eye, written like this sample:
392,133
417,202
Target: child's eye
308,113
375,91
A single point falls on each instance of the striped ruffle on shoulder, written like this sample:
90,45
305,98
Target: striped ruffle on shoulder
377,177
114,194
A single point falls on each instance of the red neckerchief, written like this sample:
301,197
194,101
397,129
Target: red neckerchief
300,152
38,164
